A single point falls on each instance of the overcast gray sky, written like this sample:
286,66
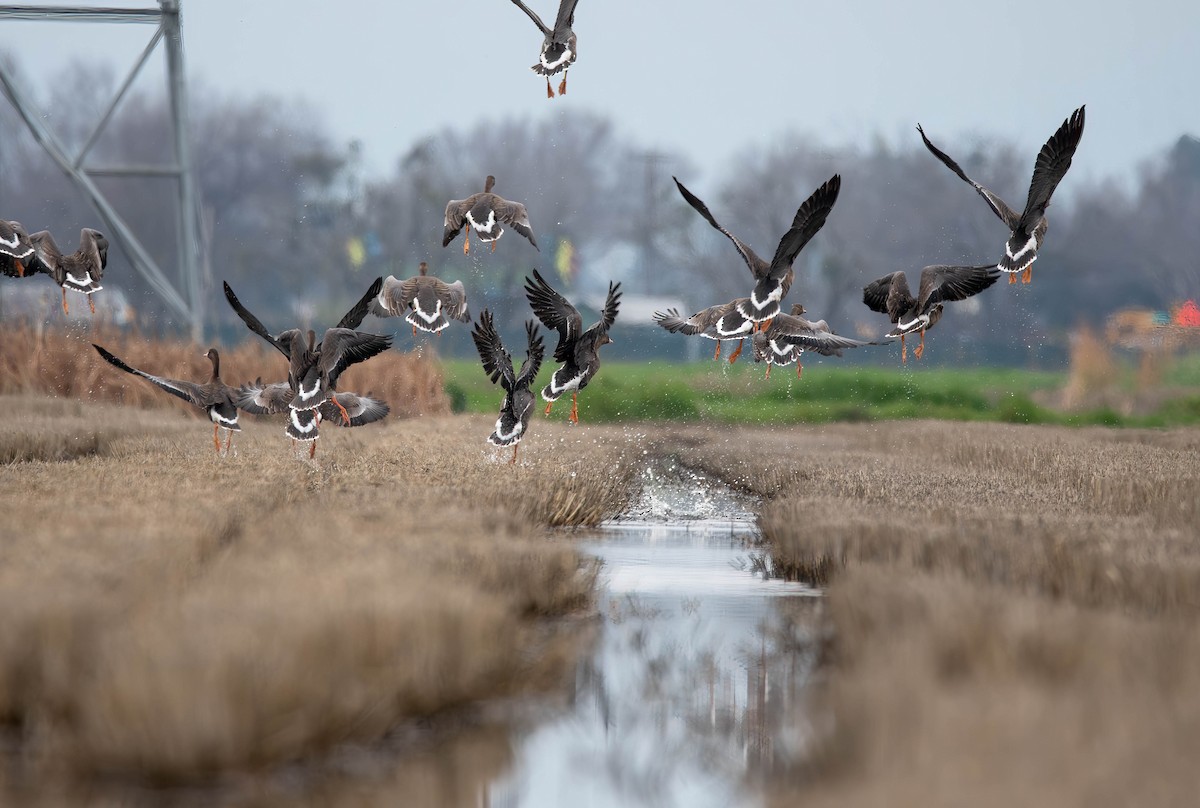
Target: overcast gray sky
707,77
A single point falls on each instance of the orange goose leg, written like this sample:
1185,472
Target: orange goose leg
562,87
493,245
312,450
549,91
768,370
549,404
799,369
513,462
920,349
216,440
414,330
903,351
575,407
228,441
1012,278
20,269
92,303
345,415
717,355
1027,275
467,241
733,356
65,309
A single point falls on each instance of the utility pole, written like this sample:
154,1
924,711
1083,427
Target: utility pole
188,300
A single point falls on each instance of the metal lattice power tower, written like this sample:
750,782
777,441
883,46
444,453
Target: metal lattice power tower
186,300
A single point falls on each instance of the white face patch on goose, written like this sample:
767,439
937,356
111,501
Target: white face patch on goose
485,228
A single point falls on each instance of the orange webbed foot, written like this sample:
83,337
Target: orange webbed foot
1027,275
562,87
549,89
1012,278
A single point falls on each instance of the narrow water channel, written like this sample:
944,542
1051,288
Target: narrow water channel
694,691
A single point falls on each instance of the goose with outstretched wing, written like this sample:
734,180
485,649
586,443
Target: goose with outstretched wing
577,350
774,279
1028,227
486,213
216,398
939,284
721,322
517,406
560,46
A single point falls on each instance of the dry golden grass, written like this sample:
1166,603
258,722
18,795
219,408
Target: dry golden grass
170,616
62,362
1012,609
1092,368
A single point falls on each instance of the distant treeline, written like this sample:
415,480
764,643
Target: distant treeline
297,224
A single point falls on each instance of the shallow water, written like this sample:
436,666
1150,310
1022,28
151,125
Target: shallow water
694,691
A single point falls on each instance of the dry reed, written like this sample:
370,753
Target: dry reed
1011,608
62,362
184,616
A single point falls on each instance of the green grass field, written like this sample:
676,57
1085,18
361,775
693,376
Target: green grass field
739,394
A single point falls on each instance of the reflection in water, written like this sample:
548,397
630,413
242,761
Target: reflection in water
692,692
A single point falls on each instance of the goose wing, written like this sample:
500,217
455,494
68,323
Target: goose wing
555,312
253,323
1051,166
514,214
533,355
809,219
456,216
889,295
264,399
758,267
353,318
945,283
536,19
497,363
343,347
188,391
998,206
608,315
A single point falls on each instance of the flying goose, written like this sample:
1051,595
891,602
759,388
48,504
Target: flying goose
15,249
720,322
214,396
346,408
314,368
1028,227
518,402
774,279
80,271
485,212
939,284
559,49
429,301
577,350
789,335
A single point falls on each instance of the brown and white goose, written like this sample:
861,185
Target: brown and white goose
559,50
790,335
425,301
517,406
486,213
80,271
577,350
718,323
1028,227
314,368
939,284
15,249
774,279
344,408
214,396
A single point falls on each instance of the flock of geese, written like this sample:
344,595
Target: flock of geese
309,395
